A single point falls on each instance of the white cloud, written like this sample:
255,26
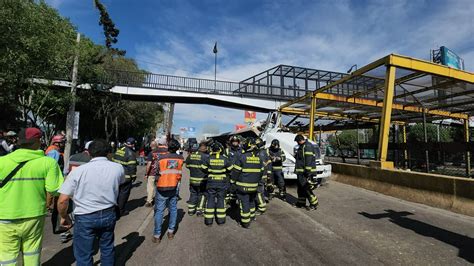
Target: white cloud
329,35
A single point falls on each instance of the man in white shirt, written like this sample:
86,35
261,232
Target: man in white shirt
94,187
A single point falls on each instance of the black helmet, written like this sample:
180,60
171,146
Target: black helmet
299,137
275,143
234,138
173,145
194,147
250,144
216,147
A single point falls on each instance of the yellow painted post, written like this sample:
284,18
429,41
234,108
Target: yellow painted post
405,151
312,117
468,154
386,115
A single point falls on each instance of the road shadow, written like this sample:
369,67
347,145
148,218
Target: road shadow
164,225
464,243
66,256
124,251
234,212
63,257
134,204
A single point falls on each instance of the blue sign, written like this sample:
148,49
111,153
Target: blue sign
450,59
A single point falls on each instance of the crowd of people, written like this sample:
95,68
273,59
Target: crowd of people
91,194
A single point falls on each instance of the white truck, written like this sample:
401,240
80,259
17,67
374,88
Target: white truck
269,130
272,130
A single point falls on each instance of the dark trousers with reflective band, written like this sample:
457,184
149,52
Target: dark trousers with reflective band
197,197
124,193
215,205
247,206
260,199
279,179
304,192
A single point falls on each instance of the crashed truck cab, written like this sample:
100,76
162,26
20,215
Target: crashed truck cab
287,144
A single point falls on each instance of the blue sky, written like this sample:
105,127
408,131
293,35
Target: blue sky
177,36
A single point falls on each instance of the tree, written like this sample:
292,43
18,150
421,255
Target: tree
416,133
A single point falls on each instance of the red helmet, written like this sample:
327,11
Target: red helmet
58,139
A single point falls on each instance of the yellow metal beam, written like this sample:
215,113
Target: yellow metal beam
312,117
386,113
468,154
335,116
374,103
356,73
430,68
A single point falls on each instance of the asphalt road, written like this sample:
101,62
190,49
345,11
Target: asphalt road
352,226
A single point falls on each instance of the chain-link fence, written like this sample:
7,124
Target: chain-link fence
446,158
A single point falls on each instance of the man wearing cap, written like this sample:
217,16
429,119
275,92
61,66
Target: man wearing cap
79,159
56,149
26,176
128,159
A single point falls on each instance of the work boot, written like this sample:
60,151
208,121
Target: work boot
199,213
313,207
156,240
191,213
170,235
299,206
245,225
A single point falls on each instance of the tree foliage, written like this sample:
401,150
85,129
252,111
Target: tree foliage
38,43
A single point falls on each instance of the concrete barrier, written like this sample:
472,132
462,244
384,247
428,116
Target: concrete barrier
451,193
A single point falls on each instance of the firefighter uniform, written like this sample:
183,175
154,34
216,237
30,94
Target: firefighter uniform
197,181
232,153
218,167
305,168
260,198
247,173
275,168
127,158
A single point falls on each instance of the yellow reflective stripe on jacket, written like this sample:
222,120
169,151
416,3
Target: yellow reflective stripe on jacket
203,166
124,163
217,171
196,179
308,153
237,167
251,170
242,184
299,170
217,177
277,167
193,166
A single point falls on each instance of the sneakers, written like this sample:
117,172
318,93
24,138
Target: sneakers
65,237
191,213
170,235
156,240
148,204
199,213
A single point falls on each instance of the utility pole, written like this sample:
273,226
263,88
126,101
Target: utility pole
72,106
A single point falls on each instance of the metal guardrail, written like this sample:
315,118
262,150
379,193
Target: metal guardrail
197,85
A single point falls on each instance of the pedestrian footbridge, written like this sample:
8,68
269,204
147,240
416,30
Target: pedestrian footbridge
266,91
